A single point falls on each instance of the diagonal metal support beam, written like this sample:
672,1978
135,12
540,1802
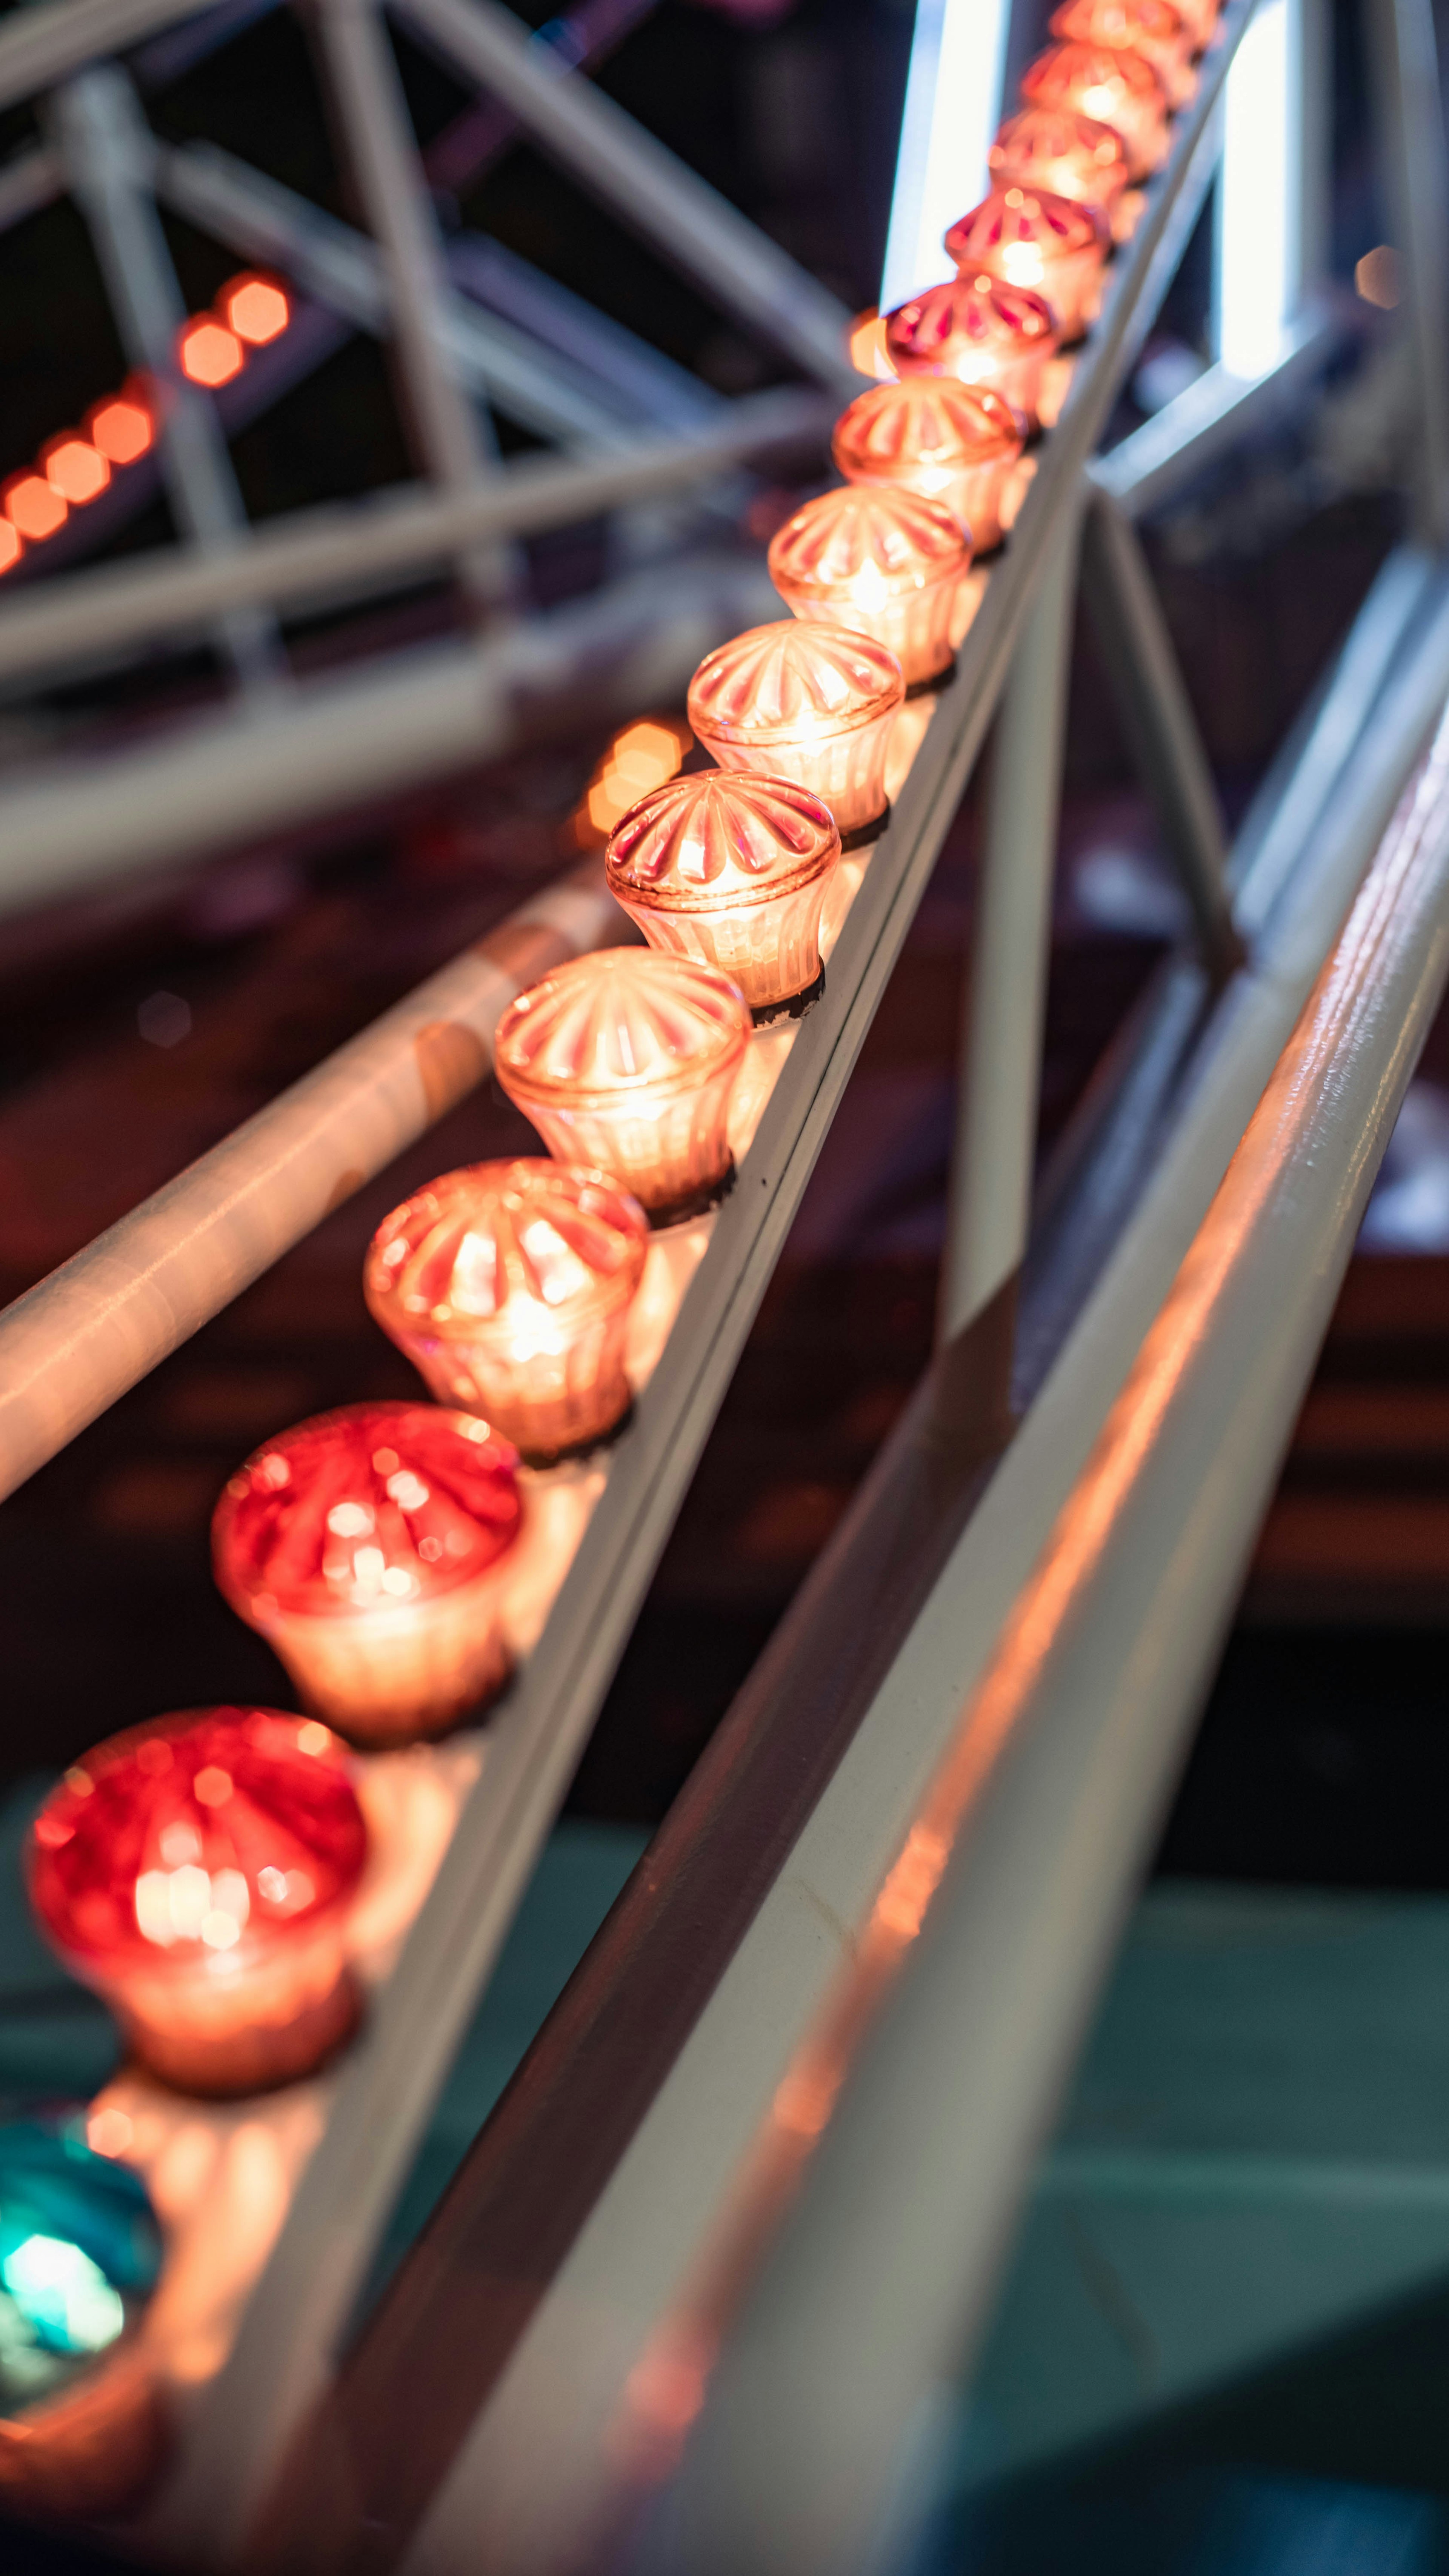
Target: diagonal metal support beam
451,436
642,183
106,145
1159,722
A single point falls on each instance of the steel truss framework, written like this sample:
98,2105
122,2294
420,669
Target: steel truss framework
638,2318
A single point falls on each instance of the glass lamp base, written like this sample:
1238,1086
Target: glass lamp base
864,833
792,1006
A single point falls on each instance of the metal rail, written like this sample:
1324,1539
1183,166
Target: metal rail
494,2437
906,2159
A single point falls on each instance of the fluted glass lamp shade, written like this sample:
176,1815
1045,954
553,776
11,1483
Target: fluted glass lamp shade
367,1547
1118,89
509,1286
626,1061
956,443
1152,28
1028,238
979,330
1066,154
732,869
804,700
883,558
197,1872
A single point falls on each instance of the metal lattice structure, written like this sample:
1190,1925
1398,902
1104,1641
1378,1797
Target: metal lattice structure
741,2134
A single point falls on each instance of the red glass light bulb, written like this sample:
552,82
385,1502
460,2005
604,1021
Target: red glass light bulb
1066,154
882,558
731,868
626,1061
1027,237
979,330
1152,28
803,700
366,1545
509,1285
198,1872
956,443
1116,89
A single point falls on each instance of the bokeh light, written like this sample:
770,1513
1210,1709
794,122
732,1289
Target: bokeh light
210,354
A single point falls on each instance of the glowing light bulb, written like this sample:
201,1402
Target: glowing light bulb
1154,29
865,344
803,700
33,507
11,548
212,1924
884,559
956,443
626,1061
256,309
508,1285
368,1547
81,2428
1114,88
980,331
1028,238
122,428
209,353
1066,154
75,469
731,869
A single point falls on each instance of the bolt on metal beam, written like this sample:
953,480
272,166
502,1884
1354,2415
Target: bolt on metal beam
1159,722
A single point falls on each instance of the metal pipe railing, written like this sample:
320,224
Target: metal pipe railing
905,2157
826,1755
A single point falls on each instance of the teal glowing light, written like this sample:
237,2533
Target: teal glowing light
62,2296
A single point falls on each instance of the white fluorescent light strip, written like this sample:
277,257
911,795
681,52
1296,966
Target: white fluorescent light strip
953,107
1259,252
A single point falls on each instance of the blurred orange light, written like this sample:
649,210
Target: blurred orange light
11,549
640,757
210,354
33,508
257,310
866,345
122,429
75,469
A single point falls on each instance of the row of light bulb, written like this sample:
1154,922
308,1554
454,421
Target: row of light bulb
199,1871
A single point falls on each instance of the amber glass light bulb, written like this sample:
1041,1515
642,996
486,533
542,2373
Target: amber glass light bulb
197,1872
956,443
625,1061
882,558
368,1547
1066,154
509,1285
980,330
1152,28
1027,237
804,700
731,868
1117,89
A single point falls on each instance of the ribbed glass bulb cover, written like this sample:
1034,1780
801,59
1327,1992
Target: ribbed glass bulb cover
806,700
363,1545
1117,89
508,1285
1028,237
981,331
730,867
880,557
197,1871
1152,28
1058,150
955,443
626,1061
